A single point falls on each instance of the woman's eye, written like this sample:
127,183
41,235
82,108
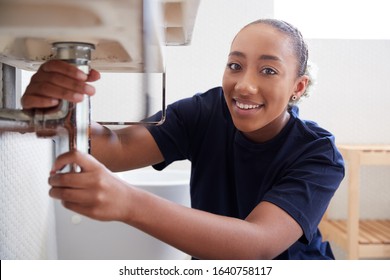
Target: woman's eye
234,66
268,71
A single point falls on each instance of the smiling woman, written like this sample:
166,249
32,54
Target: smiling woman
261,178
265,72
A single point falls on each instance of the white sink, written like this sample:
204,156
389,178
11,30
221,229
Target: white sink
29,27
170,184
79,237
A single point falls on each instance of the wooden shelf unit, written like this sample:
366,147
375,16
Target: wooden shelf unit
359,238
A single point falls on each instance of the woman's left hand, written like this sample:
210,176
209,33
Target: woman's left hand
94,192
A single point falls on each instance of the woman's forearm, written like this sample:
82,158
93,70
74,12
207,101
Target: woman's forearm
198,233
124,149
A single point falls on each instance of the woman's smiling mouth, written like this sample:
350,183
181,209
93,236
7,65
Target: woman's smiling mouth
246,106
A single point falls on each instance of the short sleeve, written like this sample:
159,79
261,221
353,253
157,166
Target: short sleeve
175,136
308,184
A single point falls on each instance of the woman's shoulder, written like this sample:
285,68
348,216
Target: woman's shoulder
310,136
309,128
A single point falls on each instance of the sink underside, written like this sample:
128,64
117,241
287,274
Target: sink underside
29,27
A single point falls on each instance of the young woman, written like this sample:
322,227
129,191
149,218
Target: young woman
261,177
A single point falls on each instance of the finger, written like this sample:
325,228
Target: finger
80,196
34,101
85,161
41,79
93,76
59,89
46,89
70,203
74,180
69,70
63,68
44,95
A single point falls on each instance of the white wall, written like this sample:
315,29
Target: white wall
337,19
352,96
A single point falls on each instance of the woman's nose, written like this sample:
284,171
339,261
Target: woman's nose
247,84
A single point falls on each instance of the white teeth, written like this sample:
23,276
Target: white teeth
246,106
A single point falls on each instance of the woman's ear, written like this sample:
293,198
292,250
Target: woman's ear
301,85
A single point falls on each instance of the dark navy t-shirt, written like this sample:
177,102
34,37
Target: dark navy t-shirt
298,170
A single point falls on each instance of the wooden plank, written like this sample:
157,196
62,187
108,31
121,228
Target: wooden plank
383,226
372,234
366,237
380,232
334,234
385,223
342,226
374,251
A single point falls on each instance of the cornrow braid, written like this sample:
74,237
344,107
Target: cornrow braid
300,47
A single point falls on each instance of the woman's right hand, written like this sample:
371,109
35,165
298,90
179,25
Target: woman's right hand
56,80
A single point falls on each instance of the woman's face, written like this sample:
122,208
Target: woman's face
259,80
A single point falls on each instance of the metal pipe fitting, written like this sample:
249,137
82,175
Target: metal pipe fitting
78,120
68,123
